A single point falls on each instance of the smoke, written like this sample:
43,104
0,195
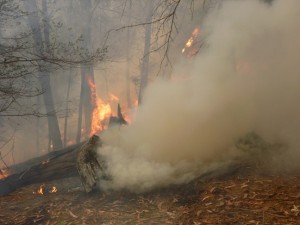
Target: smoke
246,80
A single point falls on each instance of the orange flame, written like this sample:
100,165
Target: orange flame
191,40
54,190
101,110
3,173
40,190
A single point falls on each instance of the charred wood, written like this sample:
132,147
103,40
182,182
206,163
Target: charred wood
117,120
88,166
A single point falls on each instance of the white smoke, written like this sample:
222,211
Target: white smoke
247,79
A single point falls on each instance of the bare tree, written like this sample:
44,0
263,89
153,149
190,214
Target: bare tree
87,74
145,61
44,76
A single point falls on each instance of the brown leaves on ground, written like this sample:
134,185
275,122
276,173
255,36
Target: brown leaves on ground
236,200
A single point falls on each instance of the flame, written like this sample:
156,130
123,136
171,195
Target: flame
3,173
191,40
101,109
40,190
54,190
101,112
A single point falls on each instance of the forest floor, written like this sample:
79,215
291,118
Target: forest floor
236,199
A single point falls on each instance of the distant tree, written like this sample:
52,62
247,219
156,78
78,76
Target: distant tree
146,55
28,56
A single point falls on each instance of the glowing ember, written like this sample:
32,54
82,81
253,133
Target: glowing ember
191,40
3,173
54,190
40,190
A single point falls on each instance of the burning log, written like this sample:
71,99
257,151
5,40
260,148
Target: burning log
119,120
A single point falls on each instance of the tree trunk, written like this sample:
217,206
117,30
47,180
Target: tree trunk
79,123
88,166
71,71
128,92
67,108
44,76
87,72
145,62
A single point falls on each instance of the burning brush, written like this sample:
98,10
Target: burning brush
43,189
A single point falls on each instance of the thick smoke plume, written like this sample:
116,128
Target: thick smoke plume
246,80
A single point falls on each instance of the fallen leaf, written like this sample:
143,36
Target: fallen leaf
72,214
206,197
295,209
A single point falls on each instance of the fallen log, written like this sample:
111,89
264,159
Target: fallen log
55,165
20,167
79,159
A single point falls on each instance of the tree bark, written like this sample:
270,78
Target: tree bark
88,166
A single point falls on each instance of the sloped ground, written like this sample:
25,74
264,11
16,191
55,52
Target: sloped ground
247,199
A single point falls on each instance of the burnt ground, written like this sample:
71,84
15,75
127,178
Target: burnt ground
236,199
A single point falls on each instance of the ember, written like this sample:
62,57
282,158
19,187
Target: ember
191,40
3,173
